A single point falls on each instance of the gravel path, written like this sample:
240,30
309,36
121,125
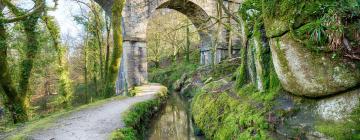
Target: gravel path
94,123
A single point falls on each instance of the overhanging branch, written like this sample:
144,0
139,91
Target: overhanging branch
16,11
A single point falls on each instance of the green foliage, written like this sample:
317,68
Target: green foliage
223,116
241,115
65,88
314,23
171,37
138,118
241,75
17,101
315,32
116,14
224,68
250,11
348,129
170,74
281,16
124,134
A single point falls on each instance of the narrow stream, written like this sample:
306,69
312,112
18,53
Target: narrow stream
174,122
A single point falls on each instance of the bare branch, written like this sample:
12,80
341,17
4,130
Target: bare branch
19,17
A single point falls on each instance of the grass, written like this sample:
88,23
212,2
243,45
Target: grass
223,116
348,129
167,76
238,113
45,122
339,130
138,117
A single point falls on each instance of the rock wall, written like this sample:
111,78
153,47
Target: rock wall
293,40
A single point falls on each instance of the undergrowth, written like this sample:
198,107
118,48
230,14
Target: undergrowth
235,114
348,129
167,76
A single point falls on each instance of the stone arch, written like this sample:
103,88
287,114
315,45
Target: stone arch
136,15
202,21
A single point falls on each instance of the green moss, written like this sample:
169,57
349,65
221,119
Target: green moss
338,131
124,134
221,116
251,67
282,15
167,76
240,74
116,14
224,68
348,129
227,115
262,55
138,117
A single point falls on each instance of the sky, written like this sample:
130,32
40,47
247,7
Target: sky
63,15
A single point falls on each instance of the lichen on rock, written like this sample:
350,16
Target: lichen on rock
312,74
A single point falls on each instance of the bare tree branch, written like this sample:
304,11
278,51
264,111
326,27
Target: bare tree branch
20,17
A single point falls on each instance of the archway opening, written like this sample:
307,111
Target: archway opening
173,47
171,38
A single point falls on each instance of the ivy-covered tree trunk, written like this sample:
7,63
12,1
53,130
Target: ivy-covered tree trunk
17,98
116,18
16,104
187,44
31,52
64,89
107,53
98,34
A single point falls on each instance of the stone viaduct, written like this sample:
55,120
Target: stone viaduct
137,13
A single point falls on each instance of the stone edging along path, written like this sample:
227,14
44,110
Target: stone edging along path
93,122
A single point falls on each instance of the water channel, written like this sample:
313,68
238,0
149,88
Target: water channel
174,121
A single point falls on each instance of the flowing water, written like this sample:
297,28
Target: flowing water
174,122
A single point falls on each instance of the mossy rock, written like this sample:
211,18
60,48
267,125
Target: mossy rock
339,107
281,15
312,74
215,85
335,117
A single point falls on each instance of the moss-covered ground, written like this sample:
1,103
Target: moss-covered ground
234,114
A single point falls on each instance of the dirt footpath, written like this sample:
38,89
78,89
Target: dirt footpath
93,123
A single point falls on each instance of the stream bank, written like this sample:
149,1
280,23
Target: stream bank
174,121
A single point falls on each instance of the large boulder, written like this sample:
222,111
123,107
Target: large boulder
312,74
339,107
307,118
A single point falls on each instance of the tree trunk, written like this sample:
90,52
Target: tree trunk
99,38
107,54
86,74
188,44
62,70
16,103
117,50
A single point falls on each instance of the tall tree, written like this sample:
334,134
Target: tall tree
116,19
17,99
65,88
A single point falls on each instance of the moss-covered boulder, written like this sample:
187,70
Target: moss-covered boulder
280,16
335,117
339,107
312,74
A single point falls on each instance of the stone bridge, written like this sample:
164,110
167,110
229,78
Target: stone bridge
136,15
